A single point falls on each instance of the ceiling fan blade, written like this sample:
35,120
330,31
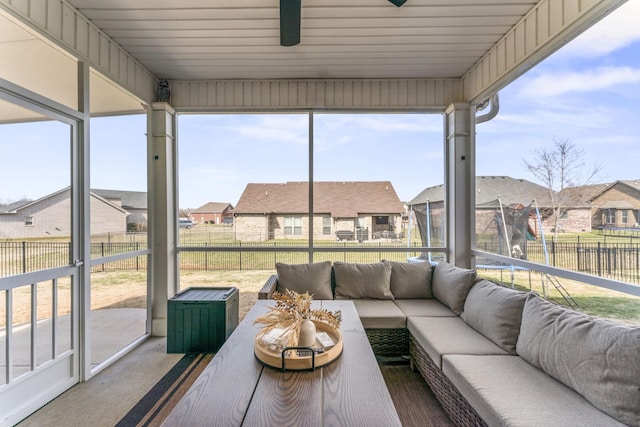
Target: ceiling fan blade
398,2
290,22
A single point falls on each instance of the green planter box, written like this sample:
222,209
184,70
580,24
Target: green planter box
201,319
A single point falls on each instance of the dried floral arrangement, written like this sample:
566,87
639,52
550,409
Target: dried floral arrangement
285,318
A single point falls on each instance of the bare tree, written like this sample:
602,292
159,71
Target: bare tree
562,170
184,212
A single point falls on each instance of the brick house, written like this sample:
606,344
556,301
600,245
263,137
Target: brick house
342,210
576,217
50,216
616,205
213,213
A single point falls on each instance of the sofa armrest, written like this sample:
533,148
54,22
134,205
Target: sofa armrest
268,288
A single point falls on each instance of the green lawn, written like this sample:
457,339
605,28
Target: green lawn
593,300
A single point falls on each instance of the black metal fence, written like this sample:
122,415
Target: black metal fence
25,256
620,261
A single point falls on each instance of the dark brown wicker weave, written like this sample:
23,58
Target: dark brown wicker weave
454,404
389,342
269,287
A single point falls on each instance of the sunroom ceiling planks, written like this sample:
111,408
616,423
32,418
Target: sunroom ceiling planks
470,48
203,39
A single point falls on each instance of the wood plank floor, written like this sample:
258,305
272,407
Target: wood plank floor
414,400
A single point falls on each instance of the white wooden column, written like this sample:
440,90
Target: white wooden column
460,182
163,211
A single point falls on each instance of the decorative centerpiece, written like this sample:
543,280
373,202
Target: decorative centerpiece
296,334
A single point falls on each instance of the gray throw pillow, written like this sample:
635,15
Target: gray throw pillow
595,357
451,285
301,278
363,280
410,280
495,312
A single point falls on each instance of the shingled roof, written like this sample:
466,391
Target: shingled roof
489,188
212,207
339,199
129,199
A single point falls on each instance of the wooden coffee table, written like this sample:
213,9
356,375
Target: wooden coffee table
236,389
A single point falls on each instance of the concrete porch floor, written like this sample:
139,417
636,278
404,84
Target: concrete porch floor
108,396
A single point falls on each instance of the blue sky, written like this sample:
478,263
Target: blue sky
587,92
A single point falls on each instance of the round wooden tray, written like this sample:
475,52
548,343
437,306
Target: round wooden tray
295,362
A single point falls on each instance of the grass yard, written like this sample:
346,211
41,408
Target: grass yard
595,301
127,290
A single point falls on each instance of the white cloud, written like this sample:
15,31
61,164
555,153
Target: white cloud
618,30
554,84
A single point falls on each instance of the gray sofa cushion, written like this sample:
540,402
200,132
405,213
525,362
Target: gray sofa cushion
508,391
312,278
451,284
495,312
449,335
357,281
410,280
423,307
380,314
597,358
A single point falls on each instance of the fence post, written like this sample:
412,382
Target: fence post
553,252
24,257
599,260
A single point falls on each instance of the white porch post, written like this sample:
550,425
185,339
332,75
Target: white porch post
460,180
163,211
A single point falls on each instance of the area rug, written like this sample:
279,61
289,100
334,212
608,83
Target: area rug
154,407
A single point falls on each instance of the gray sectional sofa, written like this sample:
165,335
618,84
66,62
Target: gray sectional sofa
491,355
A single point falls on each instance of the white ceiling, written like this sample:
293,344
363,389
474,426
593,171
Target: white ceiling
239,39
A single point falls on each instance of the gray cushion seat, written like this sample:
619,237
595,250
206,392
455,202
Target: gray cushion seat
449,335
508,391
380,314
423,308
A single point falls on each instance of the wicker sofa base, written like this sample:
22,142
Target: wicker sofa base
454,404
389,342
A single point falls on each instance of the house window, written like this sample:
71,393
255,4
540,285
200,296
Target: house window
28,220
625,216
564,215
360,222
382,220
293,226
326,225
610,216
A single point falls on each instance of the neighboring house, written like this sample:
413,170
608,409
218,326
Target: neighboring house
511,192
213,213
135,202
50,216
616,205
342,210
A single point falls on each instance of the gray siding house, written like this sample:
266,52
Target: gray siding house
50,216
134,202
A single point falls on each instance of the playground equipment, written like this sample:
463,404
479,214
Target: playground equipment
506,233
